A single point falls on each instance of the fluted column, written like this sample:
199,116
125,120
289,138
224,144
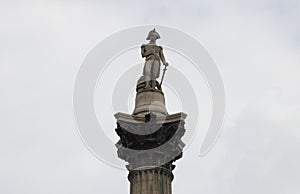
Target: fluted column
150,181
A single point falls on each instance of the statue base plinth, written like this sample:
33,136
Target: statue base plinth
150,100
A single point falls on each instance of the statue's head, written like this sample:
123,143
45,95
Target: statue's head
153,35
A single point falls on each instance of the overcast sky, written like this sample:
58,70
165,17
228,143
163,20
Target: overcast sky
255,44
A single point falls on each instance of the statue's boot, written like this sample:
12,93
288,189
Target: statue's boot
153,83
147,85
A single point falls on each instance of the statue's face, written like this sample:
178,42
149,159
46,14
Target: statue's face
153,37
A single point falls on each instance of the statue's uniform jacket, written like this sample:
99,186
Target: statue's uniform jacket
153,55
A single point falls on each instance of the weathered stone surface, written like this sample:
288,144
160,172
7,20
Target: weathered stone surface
150,181
150,100
150,146
154,143
150,138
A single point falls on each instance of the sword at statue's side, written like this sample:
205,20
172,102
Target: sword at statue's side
164,71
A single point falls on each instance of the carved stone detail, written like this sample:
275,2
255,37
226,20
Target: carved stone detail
150,143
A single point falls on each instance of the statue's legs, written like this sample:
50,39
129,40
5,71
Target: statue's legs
148,72
155,69
155,72
151,72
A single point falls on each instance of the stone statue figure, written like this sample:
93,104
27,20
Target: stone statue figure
153,55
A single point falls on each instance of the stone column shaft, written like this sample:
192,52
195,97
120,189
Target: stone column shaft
150,181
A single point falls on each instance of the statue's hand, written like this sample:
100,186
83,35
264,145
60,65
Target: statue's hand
166,64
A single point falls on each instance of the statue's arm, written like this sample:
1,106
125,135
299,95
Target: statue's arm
145,52
162,56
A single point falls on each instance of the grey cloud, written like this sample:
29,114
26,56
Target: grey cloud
254,44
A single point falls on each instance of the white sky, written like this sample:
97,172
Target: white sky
255,44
